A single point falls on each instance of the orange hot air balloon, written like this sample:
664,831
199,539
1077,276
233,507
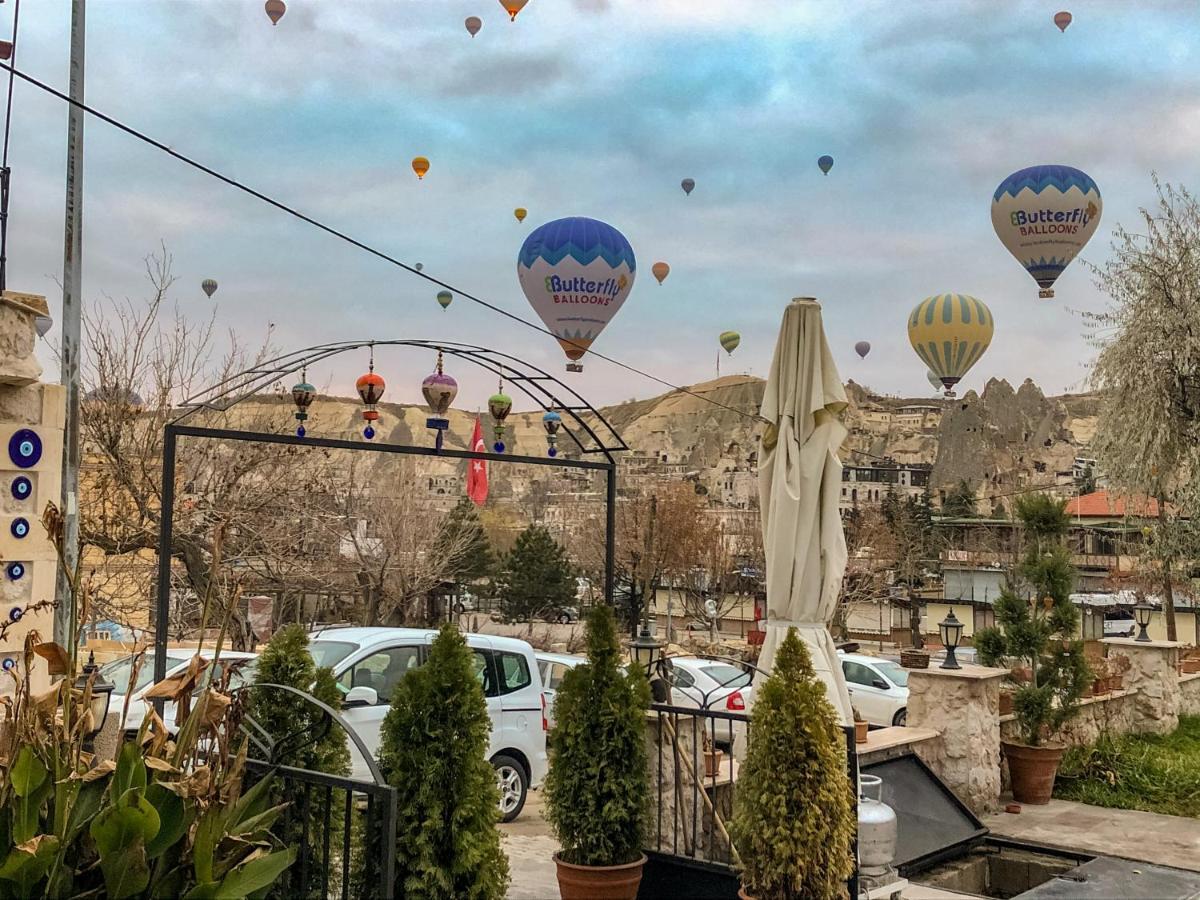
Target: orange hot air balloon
520,212
660,271
512,7
420,165
275,10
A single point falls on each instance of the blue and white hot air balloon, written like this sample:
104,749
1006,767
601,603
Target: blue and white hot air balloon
1044,215
576,273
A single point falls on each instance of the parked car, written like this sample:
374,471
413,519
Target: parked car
1119,623
878,688
118,672
552,667
712,684
563,615
369,662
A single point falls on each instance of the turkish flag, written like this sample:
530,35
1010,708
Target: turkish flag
477,483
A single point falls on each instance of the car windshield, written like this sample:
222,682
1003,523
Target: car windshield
895,672
117,672
726,675
327,654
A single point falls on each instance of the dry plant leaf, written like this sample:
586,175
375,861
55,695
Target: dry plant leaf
176,687
104,768
211,708
160,765
198,783
47,702
58,660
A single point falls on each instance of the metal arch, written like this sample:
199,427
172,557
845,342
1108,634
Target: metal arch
546,390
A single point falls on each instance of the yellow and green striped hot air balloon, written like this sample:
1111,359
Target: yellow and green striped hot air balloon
730,340
950,332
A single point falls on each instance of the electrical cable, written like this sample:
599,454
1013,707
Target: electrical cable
258,195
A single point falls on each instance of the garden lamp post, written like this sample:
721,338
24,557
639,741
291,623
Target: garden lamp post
1141,615
646,649
102,690
950,630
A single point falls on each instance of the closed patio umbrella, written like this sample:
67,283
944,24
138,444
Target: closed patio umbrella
799,482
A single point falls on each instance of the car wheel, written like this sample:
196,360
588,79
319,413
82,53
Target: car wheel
513,784
460,608
900,718
564,619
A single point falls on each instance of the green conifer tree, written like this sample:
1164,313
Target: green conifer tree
536,577
433,750
473,556
793,819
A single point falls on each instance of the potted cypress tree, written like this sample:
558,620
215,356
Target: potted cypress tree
1035,631
793,817
598,787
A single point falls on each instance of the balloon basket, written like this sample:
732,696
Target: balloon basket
574,367
1046,294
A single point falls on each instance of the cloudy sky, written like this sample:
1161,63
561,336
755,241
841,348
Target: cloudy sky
599,108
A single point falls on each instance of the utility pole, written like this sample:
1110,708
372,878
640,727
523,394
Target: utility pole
72,315
648,560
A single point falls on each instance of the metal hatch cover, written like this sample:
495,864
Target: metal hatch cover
932,824
1105,877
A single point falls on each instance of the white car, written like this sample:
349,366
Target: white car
878,688
712,684
369,662
118,672
552,667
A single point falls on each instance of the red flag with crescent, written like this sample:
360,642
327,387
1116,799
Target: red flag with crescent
477,479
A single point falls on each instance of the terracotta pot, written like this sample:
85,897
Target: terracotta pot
860,732
1116,682
1022,675
712,763
599,882
914,659
1096,687
1032,770
1006,703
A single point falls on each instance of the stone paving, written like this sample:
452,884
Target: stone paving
531,847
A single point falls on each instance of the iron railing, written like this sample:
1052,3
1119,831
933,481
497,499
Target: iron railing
343,830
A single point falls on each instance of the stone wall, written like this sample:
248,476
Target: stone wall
1114,713
1189,695
1153,674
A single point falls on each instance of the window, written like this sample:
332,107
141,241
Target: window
330,653
381,671
682,678
727,675
857,673
118,672
894,672
514,672
480,660
555,674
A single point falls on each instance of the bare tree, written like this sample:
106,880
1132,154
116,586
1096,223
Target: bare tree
1147,372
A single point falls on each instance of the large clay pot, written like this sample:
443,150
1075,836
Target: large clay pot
599,882
861,730
1032,771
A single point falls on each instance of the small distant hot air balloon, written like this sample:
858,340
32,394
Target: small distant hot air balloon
445,298
934,381
43,324
420,165
209,287
512,7
1044,215
576,273
275,10
419,266
473,23
950,332
660,270
862,348
688,185
730,340
825,163
520,212
1062,20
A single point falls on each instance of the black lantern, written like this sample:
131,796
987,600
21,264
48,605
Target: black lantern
646,649
950,630
102,690
1141,615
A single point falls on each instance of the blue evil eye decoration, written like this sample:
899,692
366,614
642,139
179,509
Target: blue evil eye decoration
24,448
15,571
14,614
19,527
22,488
9,664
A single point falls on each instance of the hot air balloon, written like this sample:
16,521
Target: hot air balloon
420,165
825,163
950,332
419,266
862,348
512,7
520,212
275,10
1044,215
934,381
43,324
445,298
576,273
688,185
730,340
1062,20
473,23
660,270
209,287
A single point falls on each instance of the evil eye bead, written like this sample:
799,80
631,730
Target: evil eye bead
22,488
8,664
25,448
19,527
15,571
14,614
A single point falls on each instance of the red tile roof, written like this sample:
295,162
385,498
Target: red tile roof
1100,505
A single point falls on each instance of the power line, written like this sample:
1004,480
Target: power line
342,236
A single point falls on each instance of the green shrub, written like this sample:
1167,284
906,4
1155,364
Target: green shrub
794,819
536,576
433,750
598,787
